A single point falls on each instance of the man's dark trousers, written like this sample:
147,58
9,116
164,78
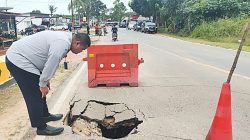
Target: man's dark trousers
29,86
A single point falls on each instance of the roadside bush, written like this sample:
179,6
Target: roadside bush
183,32
162,30
221,30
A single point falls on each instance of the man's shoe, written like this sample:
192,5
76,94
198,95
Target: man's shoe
53,117
49,131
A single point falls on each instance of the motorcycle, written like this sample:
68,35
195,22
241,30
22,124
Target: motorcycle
114,36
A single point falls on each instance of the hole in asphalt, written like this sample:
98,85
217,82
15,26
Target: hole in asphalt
109,126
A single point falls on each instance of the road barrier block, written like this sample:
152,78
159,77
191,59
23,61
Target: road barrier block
112,65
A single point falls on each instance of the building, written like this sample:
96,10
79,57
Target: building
8,34
26,19
8,31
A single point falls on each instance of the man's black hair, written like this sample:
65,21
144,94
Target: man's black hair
83,38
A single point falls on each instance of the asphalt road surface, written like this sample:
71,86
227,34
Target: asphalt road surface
179,88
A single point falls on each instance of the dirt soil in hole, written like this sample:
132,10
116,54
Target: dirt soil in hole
14,120
107,126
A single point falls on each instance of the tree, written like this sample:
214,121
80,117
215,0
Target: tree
119,11
52,9
147,8
170,12
36,11
155,6
97,8
104,14
88,8
187,14
141,7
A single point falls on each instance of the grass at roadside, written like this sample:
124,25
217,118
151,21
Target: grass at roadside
227,45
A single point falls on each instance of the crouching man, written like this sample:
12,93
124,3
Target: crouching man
33,61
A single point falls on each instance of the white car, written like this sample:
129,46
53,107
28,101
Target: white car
131,25
61,26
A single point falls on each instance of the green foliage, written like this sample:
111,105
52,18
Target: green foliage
141,7
119,11
183,16
163,30
228,31
146,8
223,29
36,11
89,8
52,9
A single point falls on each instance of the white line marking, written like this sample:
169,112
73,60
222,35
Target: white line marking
198,63
64,94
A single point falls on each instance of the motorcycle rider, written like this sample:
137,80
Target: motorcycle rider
114,31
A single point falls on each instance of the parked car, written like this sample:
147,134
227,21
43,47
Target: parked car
29,29
123,24
41,28
60,26
148,27
137,26
76,26
131,25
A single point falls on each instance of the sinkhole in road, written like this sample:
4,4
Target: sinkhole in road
116,122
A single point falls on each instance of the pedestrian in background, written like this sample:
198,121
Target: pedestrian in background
88,29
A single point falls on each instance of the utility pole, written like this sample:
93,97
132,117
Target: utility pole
72,17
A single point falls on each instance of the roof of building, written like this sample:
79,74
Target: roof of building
5,15
33,14
36,13
5,8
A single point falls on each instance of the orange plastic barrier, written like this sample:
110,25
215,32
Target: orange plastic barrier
113,65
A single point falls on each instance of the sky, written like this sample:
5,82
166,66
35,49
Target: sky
24,6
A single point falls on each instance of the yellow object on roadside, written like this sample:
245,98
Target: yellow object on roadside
4,73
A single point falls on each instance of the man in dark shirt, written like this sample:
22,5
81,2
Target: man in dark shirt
114,29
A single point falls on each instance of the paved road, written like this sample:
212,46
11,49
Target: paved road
180,83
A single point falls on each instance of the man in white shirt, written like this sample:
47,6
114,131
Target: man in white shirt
33,61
